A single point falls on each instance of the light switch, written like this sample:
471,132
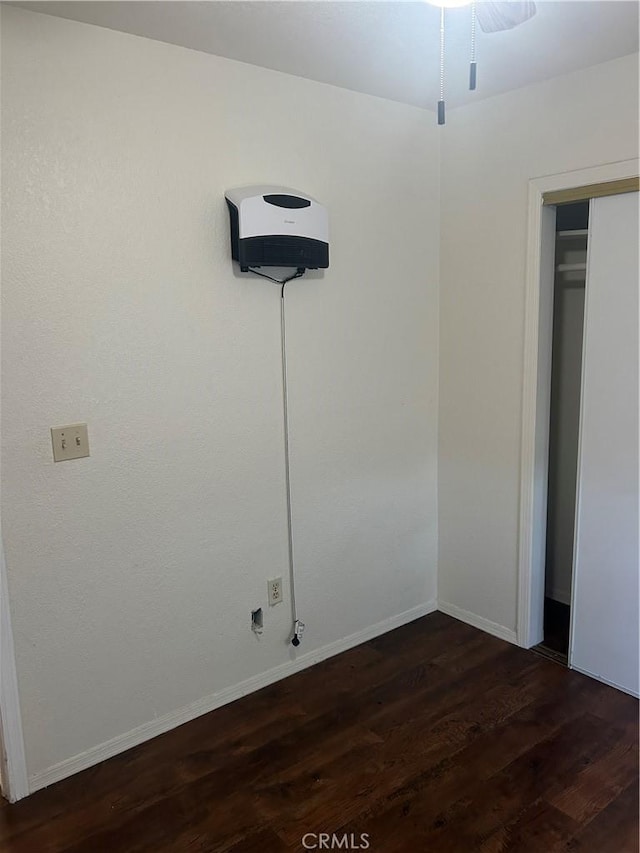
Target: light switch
70,442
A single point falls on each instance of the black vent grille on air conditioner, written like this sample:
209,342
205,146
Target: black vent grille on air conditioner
283,251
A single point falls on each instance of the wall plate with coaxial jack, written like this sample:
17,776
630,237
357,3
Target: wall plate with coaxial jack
70,442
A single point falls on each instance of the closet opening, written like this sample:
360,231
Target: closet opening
570,264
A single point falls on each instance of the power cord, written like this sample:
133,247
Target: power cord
297,274
298,625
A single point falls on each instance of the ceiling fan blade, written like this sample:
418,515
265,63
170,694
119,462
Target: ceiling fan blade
494,17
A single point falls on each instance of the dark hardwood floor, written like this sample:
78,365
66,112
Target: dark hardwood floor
434,737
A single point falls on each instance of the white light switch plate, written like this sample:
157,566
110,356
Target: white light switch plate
70,442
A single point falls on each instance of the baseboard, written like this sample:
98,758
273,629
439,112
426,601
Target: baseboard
163,724
560,595
479,622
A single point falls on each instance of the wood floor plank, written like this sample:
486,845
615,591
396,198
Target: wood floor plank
175,823
400,757
151,771
263,841
539,828
613,830
144,781
600,782
498,801
433,737
421,798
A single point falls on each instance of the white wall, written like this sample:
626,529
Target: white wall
490,150
132,572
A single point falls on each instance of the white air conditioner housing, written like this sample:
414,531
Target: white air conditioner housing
277,227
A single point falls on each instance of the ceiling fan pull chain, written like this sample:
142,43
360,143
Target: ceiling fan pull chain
473,64
441,101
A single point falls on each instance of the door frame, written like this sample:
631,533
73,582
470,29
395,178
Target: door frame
533,444
13,766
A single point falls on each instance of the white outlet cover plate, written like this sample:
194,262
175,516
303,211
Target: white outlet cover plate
70,442
277,598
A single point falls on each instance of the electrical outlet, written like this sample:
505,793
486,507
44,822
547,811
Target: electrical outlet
275,591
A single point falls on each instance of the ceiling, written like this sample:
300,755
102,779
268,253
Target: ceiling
383,48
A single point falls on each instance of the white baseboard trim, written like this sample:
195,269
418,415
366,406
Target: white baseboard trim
163,724
478,622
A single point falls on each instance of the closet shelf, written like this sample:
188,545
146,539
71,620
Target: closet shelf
582,232
571,267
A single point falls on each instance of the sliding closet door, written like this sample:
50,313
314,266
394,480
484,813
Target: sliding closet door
605,596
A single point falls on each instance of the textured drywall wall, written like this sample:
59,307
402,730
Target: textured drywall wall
489,153
132,572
